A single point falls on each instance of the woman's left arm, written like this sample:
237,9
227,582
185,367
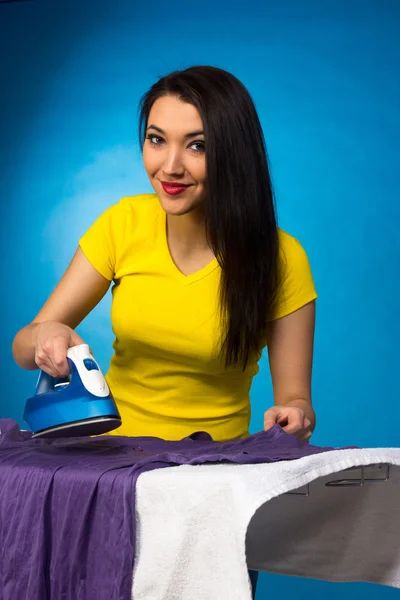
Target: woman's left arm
290,350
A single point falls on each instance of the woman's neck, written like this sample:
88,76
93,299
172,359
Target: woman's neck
187,233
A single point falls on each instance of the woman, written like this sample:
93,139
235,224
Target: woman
203,278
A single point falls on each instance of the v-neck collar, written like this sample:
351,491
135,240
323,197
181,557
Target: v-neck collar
185,279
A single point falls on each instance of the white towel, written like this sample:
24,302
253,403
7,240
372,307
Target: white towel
191,525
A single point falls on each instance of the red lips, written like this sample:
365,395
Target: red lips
173,188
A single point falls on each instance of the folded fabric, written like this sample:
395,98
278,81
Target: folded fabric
67,520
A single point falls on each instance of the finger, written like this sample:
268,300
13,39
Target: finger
282,420
268,424
270,418
45,359
75,339
56,370
46,366
305,436
58,356
41,360
306,431
51,359
295,422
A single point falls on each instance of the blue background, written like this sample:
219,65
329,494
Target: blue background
325,79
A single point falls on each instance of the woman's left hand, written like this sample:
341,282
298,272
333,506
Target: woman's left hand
292,420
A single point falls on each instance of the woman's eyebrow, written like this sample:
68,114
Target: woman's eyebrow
187,135
156,128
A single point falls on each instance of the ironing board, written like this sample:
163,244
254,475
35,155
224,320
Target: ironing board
334,517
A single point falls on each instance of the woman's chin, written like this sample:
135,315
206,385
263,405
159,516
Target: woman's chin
176,205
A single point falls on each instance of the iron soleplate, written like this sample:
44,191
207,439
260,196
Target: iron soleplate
87,427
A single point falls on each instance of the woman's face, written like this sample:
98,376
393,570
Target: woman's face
174,155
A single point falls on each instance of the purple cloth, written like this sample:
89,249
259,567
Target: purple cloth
67,528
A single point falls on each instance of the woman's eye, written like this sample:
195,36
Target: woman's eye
154,139
198,146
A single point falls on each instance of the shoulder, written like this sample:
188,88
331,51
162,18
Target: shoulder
296,285
138,201
130,214
117,222
140,204
136,222
291,251
288,242
118,231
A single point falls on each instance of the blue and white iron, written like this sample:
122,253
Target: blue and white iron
69,407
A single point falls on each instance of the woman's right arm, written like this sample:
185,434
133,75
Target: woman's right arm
44,342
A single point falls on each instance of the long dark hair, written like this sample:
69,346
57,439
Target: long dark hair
241,224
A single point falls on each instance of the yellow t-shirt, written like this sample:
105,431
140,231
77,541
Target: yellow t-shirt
165,374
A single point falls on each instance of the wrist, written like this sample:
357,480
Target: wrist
305,405
34,331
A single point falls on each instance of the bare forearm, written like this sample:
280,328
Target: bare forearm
23,347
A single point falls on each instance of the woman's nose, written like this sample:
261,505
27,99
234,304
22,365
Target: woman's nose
173,163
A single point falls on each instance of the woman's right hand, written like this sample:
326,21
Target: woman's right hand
51,341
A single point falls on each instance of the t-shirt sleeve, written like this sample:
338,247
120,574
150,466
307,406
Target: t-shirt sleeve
296,283
99,243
